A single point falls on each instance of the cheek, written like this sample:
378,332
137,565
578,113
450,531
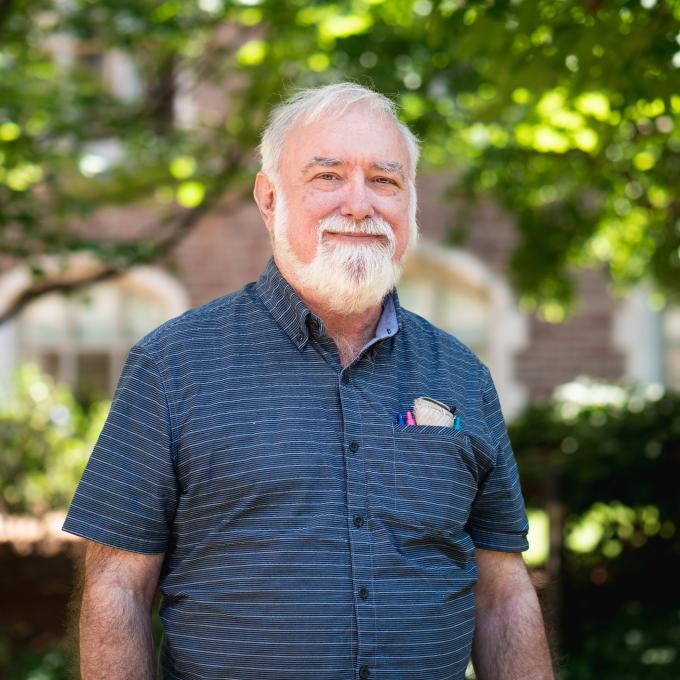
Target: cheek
398,217
317,204
402,241
305,209
302,236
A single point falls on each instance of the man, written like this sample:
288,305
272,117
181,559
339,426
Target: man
252,467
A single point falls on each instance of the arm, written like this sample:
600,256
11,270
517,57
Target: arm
116,641
509,641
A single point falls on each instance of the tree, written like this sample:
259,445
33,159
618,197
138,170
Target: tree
565,113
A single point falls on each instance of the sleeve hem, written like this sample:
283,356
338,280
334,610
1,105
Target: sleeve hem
113,540
499,540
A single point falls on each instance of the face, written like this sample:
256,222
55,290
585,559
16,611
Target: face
343,212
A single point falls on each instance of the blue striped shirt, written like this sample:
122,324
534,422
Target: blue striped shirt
306,534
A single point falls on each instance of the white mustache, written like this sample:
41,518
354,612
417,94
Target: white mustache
344,225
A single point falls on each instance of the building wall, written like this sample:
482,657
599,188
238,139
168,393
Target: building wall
528,358
226,251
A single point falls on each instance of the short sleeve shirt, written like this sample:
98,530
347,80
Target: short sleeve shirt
306,533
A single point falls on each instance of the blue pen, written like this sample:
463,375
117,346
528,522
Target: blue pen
456,423
400,419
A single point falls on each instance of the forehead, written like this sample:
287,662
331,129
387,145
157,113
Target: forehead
357,135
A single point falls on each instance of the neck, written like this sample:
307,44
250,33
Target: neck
356,327
349,331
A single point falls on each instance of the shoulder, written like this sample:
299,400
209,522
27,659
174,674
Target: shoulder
200,326
425,336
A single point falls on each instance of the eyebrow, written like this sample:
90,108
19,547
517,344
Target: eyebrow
323,161
392,167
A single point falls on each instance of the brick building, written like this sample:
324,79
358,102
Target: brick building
83,340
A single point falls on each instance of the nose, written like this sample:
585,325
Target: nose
356,199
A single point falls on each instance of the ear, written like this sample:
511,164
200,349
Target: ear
265,197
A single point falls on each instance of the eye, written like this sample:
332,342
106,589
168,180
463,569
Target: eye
327,176
384,180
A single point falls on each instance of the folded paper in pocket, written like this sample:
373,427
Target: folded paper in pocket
432,412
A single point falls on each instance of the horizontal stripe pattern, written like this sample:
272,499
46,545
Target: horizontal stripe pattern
306,535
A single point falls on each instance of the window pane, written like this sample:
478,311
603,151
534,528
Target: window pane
93,376
50,363
140,316
96,314
466,315
418,296
671,333
460,310
43,323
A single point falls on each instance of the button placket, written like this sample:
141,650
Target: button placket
357,509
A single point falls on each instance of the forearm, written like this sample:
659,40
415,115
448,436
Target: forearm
510,641
116,640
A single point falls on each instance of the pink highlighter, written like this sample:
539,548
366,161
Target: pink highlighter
410,420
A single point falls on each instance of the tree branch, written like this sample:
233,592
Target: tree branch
160,246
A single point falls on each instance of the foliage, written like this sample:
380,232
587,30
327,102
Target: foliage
50,663
45,439
640,643
565,113
613,455
608,443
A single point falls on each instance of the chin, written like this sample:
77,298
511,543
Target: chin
348,289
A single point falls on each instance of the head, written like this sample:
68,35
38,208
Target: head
337,194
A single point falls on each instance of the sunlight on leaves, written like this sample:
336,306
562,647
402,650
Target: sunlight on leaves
344,26
190,194
538,537
9,131
183,167
252,53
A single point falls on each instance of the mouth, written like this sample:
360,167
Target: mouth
353,236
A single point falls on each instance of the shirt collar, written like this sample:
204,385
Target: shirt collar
291,313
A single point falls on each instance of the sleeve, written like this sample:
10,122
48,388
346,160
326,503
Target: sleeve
127,495
498,519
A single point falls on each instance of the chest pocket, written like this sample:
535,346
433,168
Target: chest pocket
435,477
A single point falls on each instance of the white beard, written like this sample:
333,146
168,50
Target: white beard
345,278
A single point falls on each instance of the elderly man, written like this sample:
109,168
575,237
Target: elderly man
266,465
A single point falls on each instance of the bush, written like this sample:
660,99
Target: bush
45,439
640,643
610,457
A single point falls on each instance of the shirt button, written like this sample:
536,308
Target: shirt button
300,336
345,378
364,672
358,521
353,446
363,593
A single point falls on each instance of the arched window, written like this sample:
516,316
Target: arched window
671,341
449,302
649,337
458,293
82,339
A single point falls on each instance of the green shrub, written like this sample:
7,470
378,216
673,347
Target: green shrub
45,439
610,458
639,643
51,663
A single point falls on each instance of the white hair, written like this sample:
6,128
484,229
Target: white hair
311,104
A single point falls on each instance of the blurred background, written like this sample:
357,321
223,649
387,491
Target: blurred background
550,222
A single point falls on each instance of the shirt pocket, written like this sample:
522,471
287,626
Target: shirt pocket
435,477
